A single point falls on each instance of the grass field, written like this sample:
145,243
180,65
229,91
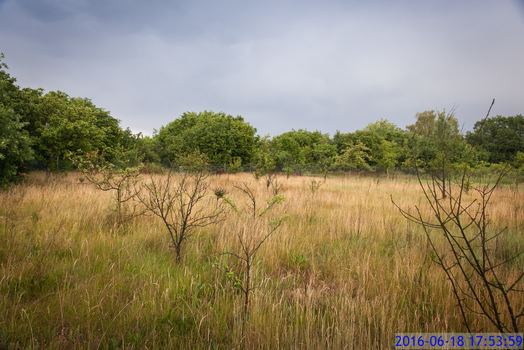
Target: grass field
344,271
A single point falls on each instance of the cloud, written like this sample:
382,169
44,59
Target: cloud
334,65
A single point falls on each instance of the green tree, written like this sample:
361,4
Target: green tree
323,156
15,147
9,91
15,143
500,137
288,152
355,157
58,126
264,159
385,143
76,125
519,166
386,130
298,150
221,137
341,140
147,148
519,161
435,137
388,155
437,144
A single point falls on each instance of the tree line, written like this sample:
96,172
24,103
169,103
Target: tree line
47,130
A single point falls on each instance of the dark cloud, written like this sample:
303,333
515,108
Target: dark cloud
282,64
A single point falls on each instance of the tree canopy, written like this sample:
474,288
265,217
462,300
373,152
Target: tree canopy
223,138
44,130
297,150
15,143
501,138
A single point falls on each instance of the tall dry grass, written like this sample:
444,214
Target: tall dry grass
345,271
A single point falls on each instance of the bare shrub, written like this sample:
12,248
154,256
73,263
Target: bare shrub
181,201
271,180
273,183
465,249
315,185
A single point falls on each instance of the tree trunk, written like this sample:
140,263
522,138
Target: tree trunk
178,252
443,180
247,288
119,206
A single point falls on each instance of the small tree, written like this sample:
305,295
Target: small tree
315,185
183,205
251,235
107,177
478,276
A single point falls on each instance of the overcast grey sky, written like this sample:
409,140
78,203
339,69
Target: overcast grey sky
324,65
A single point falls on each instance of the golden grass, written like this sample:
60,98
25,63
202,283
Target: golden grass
345,271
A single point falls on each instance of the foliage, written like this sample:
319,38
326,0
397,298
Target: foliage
193,162
50,127
297,150
500,137
264,161
435,139
58,125
235,165
147,147
15,145
384,146
355,157
388,155
386,130
221,137
75,125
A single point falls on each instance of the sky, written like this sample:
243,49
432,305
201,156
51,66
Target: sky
281,64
